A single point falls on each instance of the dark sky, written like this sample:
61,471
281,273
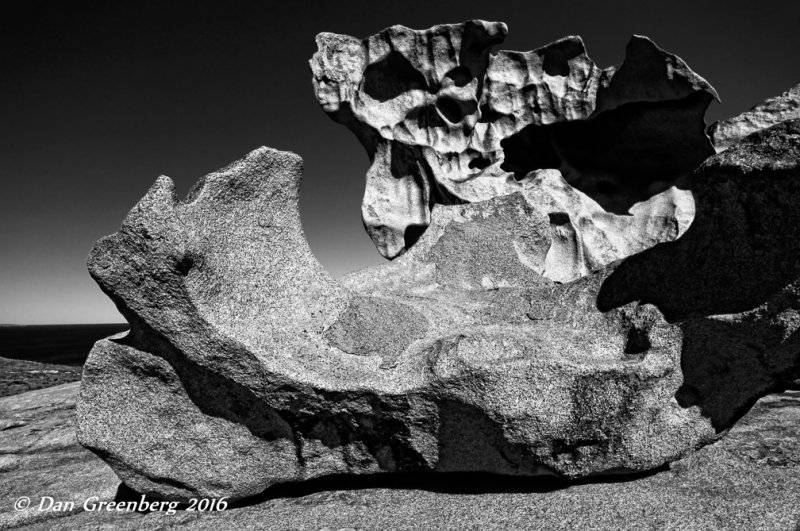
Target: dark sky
98,99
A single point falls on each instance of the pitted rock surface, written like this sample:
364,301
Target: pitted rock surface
766,114
507,336
445,121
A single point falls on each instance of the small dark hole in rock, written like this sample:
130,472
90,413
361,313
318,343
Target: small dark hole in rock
460,75
184,265
489,115
528,150
638,342
412,234
558,218
479,162
391,76
555,63
455,110
442,196
557,57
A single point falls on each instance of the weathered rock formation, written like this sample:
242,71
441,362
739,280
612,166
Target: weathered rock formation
246,365
444,121
768,113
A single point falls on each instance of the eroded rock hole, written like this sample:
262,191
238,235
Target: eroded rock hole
476,44
392,76
489,115
530,149
637,343
426,117
456,110
184,264
557,57
460,75
479,163
412,234
618,155
439,195
559,218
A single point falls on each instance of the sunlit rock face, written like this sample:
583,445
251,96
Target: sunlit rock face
445,121
508,338
246,365
765,114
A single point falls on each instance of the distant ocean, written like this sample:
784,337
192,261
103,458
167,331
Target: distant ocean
64,344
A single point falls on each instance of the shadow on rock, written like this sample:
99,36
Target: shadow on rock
731,282
441,482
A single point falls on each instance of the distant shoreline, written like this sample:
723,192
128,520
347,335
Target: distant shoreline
63,344
20,376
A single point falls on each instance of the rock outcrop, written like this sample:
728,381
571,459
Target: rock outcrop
506,336
766,114
444,121
247,366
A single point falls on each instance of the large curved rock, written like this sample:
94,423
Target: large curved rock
246,365
444,121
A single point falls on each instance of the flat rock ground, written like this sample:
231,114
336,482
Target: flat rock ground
748,480
17,376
